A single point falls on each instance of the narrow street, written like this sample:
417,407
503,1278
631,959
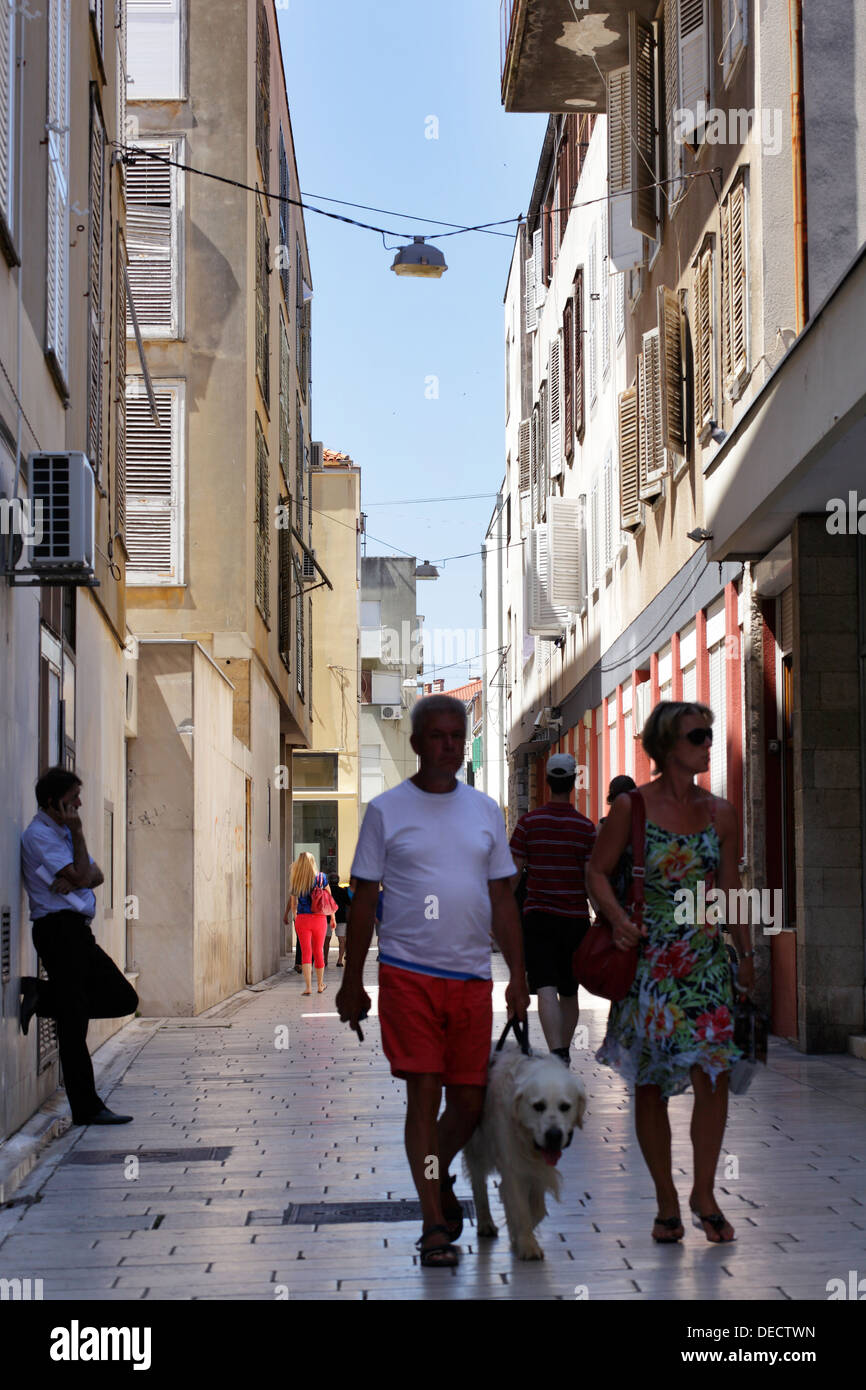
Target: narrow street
234,1131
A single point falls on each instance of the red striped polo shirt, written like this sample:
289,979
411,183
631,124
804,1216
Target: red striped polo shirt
556,842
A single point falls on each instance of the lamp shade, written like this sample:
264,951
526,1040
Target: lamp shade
426,571
419,259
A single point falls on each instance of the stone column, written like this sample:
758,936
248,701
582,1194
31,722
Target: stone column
827,790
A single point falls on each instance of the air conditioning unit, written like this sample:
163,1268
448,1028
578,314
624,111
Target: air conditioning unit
309,569
392,712
61,487
316,455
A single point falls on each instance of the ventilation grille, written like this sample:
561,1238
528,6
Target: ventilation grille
5,945
46,1035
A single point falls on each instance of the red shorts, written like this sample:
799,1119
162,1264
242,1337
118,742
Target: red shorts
430,1024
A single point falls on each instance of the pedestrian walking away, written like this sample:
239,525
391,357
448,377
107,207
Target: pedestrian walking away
342,895
675,1026
83,982
305,884
554,842
439,847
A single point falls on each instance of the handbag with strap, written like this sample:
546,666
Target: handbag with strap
321,898
599,965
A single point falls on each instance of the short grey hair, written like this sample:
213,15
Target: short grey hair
436,704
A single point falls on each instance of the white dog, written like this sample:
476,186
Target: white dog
530,1112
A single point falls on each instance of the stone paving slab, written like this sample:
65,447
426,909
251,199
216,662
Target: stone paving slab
323,1121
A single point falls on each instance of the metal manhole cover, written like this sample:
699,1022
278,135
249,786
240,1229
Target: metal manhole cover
199,1155
347,1213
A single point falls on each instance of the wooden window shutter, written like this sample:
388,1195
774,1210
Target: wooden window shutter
524,454
262,519
629,463
568,375
153,487
538,253
604,302
694,59
299,624
564,197
704,351
554,398
565,532
151,221
671,370
734,297
285,404
263,88
285,192
284,591
642,144
675,159
592,318
579,354
608,530
94,289
595,548
57,287
263,306
7,115
535,457
545,619
653,460
543,451
120,390
530,311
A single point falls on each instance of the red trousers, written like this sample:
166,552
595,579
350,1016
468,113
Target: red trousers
311,928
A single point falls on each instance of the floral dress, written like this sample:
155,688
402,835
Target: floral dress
678,1012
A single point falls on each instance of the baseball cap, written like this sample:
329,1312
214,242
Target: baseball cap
561,765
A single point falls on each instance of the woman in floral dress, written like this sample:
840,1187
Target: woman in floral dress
674,1029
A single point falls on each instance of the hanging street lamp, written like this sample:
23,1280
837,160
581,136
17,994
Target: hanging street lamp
419,259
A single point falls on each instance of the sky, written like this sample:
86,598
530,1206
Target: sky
408,374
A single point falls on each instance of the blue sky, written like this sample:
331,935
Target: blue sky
362,82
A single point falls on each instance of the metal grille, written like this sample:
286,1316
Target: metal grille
349,1213
5,945
46,1035
202,1155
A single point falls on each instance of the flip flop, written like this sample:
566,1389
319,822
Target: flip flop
669,1223
438,1256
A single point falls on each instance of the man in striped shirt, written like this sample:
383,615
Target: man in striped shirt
555,841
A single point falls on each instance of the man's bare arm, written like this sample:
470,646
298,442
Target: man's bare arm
509,937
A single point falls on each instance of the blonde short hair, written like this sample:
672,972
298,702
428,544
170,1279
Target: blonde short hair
661,730
303,874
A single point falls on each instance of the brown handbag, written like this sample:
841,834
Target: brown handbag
599,965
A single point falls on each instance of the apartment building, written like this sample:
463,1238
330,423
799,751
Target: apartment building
735,400
62,363
326,780
392,658
218,499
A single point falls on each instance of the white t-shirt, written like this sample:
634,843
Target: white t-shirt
435,852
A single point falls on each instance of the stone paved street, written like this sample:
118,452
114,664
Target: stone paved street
322,1121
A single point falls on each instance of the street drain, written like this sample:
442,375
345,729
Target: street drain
349,1213
199,1155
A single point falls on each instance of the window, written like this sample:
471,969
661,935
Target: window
593,317
285,250
57,307
524,456
263,529
735,297
285,405
50,667
666,672
299,623
579,355
154,49
596,549
619,292
154,484
632,156
153,195
605,296
302,321
371,613
717,702
554,406
284,591
568,374
652,454
372,776
263,306
94,295
120,389
703,337
299,469
687,84
386,688
315,830
314,772
735,34
629,461
263,88
7,125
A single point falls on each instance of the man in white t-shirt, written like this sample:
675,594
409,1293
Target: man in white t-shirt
440,849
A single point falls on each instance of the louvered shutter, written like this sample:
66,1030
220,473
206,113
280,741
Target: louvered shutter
94,289
620,305
284,591
120,390
579,346
568,377
263,306
57,286
533,463
705,409
548,620
285,193
594,538
694,59
734,297
151,240
675,162
524,455
629,474
153,487
154,44
653,458
299,625
543,451
7,114
554,396
565,533
530,311
625,244
786,624
642,144
285,404
97,9
671,370
263,88
611,528
262,525
592,318
605,296
538,254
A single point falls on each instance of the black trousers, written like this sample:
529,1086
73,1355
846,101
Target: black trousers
83,983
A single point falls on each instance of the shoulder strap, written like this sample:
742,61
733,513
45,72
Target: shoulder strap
638,849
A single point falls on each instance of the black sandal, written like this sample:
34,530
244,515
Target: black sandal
669,1223
718,1223
454,1215
438,1256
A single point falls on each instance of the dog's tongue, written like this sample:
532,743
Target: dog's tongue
552,1157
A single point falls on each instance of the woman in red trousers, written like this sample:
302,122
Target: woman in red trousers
309,925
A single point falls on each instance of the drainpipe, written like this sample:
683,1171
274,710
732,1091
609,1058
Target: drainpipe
798,163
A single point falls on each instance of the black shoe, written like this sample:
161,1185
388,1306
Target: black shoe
105,1117
29,1000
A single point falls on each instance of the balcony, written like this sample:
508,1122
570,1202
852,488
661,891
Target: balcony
551,52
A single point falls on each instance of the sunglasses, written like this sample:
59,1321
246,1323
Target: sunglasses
699,736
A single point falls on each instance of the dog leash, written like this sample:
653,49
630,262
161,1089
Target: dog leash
521,1033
